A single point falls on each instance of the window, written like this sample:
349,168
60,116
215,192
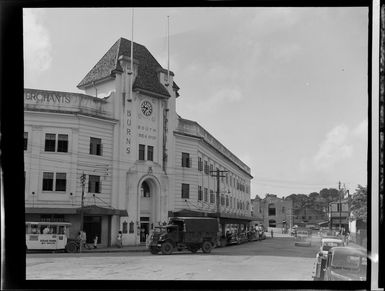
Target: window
271,209
185,191
95,146
212,197
211,169
206,168
283,209
186,160
200,164
141,152
222,200
62,143
50,140
61,182
94,184
227,201
150,153
25,141
50,143
145,189
206,195
47,181
199,193
231,202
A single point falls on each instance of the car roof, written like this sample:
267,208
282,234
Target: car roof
349,250
331,239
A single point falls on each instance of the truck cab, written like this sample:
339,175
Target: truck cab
191,233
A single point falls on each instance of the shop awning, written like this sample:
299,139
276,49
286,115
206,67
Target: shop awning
47,210
97,210
224,217
93,210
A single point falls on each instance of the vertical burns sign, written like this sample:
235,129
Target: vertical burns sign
128,130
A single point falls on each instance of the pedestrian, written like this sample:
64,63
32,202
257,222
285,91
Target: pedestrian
95,242
46,230
119,238
271,233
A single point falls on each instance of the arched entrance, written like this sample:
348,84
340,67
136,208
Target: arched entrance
149,203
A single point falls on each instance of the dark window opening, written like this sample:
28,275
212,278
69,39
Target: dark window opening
47,181
60,182
50,140
25,141
185,191
95,146
150,153
186,160
141,152
94,184
145,190
62,143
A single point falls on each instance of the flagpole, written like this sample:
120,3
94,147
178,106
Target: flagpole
168,49
132,52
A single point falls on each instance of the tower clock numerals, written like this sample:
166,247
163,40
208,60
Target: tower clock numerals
146,108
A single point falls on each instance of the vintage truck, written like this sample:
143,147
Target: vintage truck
191,233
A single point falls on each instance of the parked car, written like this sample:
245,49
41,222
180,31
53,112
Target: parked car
303,237
346,264
326,245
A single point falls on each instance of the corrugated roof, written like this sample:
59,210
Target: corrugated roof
148,67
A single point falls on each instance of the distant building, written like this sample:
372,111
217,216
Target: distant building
339,214
273,211
308,216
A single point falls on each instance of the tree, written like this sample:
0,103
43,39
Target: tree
359,203
330,194
314,195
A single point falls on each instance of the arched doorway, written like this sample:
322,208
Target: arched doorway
148,206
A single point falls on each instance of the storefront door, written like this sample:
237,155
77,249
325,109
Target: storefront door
93,228
144,231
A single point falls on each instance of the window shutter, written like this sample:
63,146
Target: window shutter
101,149
100,186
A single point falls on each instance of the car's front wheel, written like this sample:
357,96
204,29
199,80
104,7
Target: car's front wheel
166,248
71,247
206,247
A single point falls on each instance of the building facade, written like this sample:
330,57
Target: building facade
309,217
120,157
273,211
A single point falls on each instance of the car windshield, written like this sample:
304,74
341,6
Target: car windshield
345,261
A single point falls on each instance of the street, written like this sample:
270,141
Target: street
270,259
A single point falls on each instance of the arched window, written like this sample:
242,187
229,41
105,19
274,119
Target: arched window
271,209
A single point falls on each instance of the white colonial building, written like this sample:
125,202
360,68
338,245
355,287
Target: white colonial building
122,157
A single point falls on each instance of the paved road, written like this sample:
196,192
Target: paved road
271,259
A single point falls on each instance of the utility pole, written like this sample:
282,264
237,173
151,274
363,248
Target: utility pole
83,181
218,175
339,194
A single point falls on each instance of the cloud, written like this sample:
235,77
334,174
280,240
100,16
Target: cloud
333,149
37,43
220,97
361,131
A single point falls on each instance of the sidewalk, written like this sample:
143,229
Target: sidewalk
103,249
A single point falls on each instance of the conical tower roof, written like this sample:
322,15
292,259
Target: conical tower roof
148,67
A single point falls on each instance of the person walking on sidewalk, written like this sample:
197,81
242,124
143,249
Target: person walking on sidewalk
119,238
272,233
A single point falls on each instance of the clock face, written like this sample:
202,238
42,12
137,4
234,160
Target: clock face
146,108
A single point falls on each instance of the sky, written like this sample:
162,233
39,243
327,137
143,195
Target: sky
284,89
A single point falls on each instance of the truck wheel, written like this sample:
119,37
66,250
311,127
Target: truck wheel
206,247
166,248
154,250
71,247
